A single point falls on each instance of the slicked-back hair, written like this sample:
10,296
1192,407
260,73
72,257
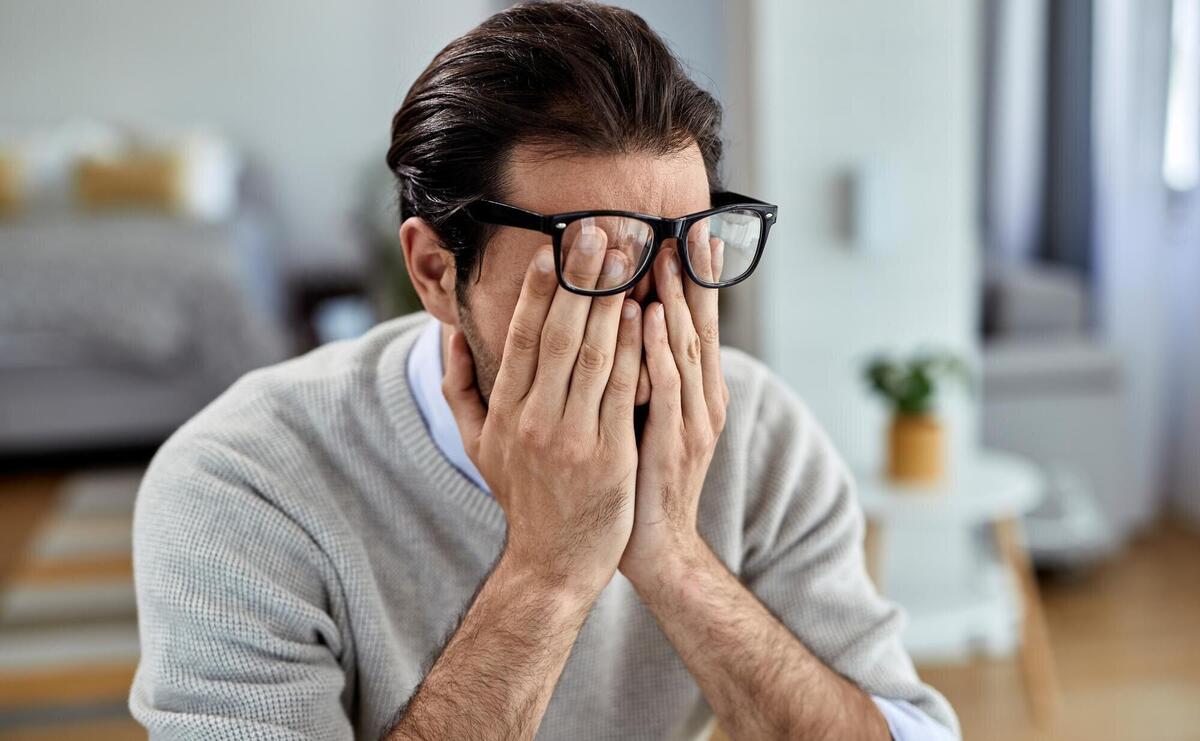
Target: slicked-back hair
568,77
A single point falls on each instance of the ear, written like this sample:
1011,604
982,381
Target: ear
431,269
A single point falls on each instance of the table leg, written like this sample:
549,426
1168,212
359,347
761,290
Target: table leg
1036,654
873,553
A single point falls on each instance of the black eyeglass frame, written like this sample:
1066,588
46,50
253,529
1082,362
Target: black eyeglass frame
555,225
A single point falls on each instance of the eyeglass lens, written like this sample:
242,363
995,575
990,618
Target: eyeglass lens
601,252
721,247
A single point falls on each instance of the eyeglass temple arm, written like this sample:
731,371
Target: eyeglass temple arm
501,214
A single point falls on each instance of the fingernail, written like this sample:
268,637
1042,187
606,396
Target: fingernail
630,310
673,263
612,265
589,236
658,311
544,261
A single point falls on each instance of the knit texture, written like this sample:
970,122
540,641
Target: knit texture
302,551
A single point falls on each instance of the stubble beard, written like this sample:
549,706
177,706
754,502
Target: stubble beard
487,365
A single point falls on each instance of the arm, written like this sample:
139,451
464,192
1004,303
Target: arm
495,676
557,448
759,677
760,680
234,608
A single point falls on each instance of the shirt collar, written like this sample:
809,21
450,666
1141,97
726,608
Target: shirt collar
425,379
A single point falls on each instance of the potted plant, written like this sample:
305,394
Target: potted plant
916,439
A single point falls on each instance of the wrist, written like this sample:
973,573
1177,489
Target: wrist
670,564
570,588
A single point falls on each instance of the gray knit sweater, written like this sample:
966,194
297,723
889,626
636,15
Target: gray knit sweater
302,551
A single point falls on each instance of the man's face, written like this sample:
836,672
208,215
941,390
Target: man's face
670,186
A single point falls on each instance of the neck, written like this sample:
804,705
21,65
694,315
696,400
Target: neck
445,330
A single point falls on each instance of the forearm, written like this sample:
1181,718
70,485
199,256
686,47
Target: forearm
759,678
497,672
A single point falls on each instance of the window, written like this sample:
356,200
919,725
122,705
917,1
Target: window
1181,145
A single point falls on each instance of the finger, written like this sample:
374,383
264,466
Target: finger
518,365
616,408
643,386
700,251
458,386
594,360
718,257
702,302
685,343
567,318
664,373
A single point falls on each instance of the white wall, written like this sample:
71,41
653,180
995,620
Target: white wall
308,88
895,85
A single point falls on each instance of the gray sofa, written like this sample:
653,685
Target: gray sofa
115,329
1055,393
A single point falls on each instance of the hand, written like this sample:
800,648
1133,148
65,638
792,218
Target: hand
556,443
687,412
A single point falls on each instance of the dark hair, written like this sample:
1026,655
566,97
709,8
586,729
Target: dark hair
573,77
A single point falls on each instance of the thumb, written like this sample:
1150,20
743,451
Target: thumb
458,386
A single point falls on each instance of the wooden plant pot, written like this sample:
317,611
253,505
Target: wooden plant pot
916,449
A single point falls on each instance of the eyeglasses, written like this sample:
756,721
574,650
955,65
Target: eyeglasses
724,243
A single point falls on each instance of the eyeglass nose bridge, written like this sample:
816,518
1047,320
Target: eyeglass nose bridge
664,229
670,229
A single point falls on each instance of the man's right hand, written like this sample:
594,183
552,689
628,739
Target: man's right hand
556,441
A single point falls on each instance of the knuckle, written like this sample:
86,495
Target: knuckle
592,359
620,384
557,342
692,349
710,333
529,431
522,337
718,417
699,441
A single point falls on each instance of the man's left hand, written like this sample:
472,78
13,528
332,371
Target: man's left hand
687,414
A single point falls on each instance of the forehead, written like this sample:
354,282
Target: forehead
670,185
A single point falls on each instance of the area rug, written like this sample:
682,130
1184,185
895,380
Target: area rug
68,620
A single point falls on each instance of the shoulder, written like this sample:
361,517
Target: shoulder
293,401
282,426
789,470
762,403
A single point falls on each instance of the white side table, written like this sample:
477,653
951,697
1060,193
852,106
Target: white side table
925,551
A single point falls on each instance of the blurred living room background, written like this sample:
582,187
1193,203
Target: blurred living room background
190,190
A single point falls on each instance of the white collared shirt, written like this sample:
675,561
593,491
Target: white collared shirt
425,379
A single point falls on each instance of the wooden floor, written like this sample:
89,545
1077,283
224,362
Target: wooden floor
1126,643
1126,640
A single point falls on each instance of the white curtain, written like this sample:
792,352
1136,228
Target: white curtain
1148,276
1014,168
1181,170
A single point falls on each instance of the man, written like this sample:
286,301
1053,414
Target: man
551,504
